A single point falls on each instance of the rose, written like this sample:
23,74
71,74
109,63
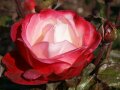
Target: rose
51,46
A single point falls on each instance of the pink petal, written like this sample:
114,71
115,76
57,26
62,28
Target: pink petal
31,74
35,28
60,48
40,50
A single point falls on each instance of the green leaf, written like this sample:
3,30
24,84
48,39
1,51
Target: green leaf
111,73
4,20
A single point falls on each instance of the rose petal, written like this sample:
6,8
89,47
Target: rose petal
31,74
60,48
91,37
40,50
34,29
14,30
14,71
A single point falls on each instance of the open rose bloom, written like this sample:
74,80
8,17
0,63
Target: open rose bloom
51,46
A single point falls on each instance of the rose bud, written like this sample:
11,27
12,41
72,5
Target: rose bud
51,46
109,32
29,6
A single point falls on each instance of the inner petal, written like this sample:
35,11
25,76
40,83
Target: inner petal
35,29
75,32
62,32
46,50
60,48
51,37
40,50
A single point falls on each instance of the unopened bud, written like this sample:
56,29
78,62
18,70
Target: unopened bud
29,5
109,32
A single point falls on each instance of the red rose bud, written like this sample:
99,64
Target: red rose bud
109,32
29,5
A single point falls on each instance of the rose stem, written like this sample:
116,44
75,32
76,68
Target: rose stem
108,51
98,59
18,3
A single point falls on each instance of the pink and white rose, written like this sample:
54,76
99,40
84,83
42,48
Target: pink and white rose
51,46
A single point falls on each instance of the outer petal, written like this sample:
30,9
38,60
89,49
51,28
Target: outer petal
41,64
75,69
78,66
15,68
23,74
14,30
91,37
